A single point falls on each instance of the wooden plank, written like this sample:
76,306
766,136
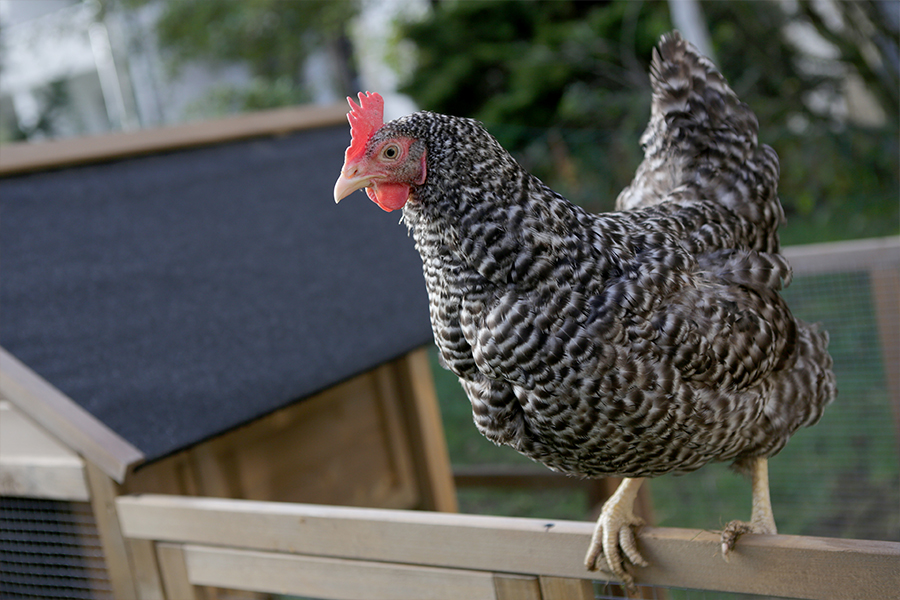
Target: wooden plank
393,426
564,588
516,476
66,420
792,566
32,156
516,587
328,578
431,457
39,477
33,464
329,452
838,257
103,502
174,572
147,581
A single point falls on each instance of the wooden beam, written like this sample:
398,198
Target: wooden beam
145,569
331,578
516,476
174,572
62,417
34,156
517,587
37,477
837,257
565,588
115,551
33,464
423,417
791,566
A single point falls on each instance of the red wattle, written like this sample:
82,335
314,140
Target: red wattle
389,196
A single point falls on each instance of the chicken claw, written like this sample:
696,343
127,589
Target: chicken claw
614,533
761,518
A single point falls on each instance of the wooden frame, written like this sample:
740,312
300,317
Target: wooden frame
374,440
836,257
338,552
23,157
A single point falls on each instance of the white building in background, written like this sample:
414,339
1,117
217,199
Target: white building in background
67,69
47,41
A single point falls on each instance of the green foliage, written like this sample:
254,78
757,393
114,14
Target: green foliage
563,85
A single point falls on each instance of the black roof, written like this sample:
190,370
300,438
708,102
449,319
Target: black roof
179,295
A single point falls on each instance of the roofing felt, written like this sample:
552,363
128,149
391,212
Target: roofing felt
179,295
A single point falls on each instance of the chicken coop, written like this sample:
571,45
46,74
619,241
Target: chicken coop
186,312
214,384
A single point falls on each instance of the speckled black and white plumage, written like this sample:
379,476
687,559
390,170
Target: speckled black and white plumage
634,343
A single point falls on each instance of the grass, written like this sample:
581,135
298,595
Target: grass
839,478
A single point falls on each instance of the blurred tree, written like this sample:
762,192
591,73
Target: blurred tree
53,100
839,163
273,38
564,86
552,79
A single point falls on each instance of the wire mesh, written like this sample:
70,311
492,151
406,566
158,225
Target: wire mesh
839,478
50,549
604,591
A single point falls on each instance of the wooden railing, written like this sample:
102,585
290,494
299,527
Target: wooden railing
176,543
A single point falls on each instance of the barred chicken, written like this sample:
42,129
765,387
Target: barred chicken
645,341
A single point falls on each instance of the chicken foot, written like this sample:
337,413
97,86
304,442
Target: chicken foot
761,518
614,533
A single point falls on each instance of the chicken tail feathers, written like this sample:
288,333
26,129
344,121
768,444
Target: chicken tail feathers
701,145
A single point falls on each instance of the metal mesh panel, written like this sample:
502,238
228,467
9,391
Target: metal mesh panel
603,591
839,478
50,549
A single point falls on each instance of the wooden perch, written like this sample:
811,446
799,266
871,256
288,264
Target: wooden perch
299,548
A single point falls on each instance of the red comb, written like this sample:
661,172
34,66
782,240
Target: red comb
365,118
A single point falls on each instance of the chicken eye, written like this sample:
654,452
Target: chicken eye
391,152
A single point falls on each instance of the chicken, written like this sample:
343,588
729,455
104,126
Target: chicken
635,343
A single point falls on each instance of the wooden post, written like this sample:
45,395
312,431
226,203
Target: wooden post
103,501
563,588
516,587
423,415
885,283
174,571
147,582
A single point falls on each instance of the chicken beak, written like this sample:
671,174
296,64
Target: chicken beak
346,185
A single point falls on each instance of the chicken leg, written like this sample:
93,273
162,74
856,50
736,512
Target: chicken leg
614,533
761,518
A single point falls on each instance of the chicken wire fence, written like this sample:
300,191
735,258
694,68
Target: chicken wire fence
839,478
